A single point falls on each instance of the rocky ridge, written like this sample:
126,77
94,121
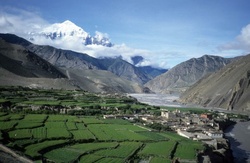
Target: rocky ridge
185,74
110,73
228,88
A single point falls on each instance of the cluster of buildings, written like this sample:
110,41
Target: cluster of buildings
202,127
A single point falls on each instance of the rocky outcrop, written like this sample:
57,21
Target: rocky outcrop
185,74
228,88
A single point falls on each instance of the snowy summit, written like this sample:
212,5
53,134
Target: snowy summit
68,31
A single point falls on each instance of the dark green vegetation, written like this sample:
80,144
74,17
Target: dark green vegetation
66,138
26,100
81,134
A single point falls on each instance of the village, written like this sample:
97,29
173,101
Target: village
205,127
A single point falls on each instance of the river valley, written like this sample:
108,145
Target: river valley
238,134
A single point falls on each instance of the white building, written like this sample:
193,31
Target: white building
215,134
168,115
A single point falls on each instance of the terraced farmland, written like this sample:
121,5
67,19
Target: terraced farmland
68,126
64,138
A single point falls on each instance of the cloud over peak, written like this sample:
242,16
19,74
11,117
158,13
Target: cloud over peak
241,42
27,25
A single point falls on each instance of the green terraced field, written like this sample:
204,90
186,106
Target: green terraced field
39,129
103,140
159,149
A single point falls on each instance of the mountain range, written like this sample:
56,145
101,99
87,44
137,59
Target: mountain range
67,31
81,70
228,88
185,74
209,80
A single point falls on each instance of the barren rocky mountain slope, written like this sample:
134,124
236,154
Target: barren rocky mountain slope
21,66
22,62
228,88
70,59
185,74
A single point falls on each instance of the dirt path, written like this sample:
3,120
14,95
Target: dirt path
14,155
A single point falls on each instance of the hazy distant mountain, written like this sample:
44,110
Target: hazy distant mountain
68,31
152,71
137,59
228,88
185,74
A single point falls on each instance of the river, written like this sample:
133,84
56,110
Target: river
238,134
239,137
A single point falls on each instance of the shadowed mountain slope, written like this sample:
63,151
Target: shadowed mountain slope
55,68
70,59
20,61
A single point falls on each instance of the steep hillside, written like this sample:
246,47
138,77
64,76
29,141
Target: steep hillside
182,76
102,81
125,70
21,65
65,58
70,59
228,88
8,78
20,61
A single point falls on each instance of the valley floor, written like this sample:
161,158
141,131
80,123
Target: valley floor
239,142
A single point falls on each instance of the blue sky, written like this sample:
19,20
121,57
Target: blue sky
172,30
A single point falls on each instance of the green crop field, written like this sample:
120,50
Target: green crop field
5,118
80,126
53,118
39,133
63,155
159,160
82,135
117,132
103,140
16,117
20,134
26,124
57,133
89,158
91,120
124,150
34,149
7,125
71,125
110,160
72,153
152,135
162,149
68,126
123,139
188,150
59,124
35,117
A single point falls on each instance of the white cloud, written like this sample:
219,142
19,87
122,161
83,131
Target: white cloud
22,22
241,42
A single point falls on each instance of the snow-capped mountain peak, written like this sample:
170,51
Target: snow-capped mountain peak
68,31
65,29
